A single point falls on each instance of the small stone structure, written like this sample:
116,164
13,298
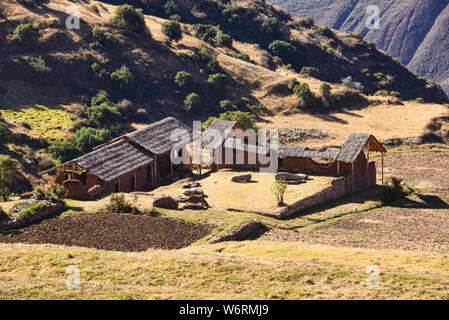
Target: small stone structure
241,233
21,222
193,191
242,178
165,202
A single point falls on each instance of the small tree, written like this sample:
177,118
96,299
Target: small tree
184,79
172,30
310,72
284,50
104,115
218,80
292,83
192,102
352,84
325,91
122,78
278,188
223,40
26,33
225,104
271,25
305,95
10,176
126,17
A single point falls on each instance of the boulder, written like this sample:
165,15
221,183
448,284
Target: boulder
197,199
190,185
286,176
242,178
193,191
182,199
95,191
165,202
194,206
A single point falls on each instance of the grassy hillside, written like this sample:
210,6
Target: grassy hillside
413,31
48,76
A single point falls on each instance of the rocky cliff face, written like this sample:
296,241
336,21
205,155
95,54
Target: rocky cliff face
415,31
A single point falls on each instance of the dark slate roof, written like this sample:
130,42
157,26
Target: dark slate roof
303,152
114,160
156,137
237,144
223,127
352,147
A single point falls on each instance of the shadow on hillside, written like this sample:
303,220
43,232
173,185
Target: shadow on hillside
428,202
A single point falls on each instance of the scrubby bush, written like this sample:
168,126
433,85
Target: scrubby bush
127,17
420,100
352,84
325,32
310,72
26,33
395,94
83,141
282,49
142,114
371,45
325,91
104,115
55,193
212,64
382,93
241,56
126,108
225,104
39,65
206,32
119,204
184,79
10,176
305,95
246,119
356,35
192,102
122,78
292,83
393,190
271,25
223,40
231,16
218,80
278,188
172,30
102,37
171,8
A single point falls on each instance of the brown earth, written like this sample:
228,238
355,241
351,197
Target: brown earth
107,231
418,223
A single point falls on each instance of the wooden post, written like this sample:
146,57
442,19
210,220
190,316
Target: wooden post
382,168
338,168
352,174
171,169
367,163
155,167
135,181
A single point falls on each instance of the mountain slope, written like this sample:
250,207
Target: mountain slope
414,31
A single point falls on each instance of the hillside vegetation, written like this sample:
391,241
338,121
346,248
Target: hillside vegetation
413,31
63,91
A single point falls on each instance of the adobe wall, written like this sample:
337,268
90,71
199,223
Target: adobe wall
307,165
336,190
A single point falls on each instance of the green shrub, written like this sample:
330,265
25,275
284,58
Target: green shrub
103,38
206,32
119,204
392,190
184,79
172,30
379,75
305,95
292,83
246,119
371,45
271,25
356,35
218,80
83,141
278,188
55,193
26,33
310,72
282,49
325,32
223,40
122,78
325,91
395,94
171,8
39,65
241,56
382,93
126,17
192,102
10,176
225,104
420,100
105,115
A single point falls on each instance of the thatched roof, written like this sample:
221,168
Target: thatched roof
156,137
303,152
114,160
355,144
238,144
223,127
